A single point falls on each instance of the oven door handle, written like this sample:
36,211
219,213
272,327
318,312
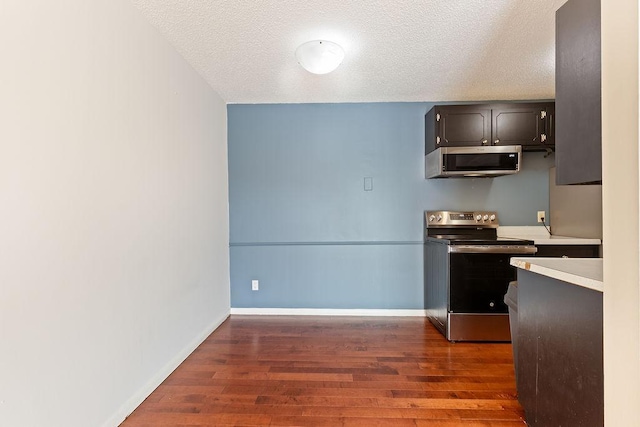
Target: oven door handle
492,249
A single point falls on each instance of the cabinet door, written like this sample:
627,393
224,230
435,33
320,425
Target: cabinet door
520,124
578,99
551,124
463,125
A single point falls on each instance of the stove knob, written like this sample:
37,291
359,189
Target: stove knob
432,218
439,218
478,217
486,217
492,218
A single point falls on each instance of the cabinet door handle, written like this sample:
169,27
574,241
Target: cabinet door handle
543,137
437,140
484,142
496,142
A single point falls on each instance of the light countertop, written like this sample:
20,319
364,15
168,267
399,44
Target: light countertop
540,236
585,272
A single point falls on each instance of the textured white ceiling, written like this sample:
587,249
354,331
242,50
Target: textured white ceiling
420,50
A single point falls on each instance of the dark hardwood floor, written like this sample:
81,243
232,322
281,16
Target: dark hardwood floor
335,371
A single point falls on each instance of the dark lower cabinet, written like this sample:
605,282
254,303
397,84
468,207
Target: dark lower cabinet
560,352
568,251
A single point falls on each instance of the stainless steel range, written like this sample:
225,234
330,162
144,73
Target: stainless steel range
466,274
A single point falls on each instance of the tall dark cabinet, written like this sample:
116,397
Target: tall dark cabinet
578,99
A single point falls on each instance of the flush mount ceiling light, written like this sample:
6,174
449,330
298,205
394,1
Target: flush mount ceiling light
319,56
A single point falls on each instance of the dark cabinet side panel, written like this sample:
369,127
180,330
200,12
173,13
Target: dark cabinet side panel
578,99
560,352
436,293
569,251
430,131
551,124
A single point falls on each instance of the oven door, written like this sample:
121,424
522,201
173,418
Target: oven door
479,276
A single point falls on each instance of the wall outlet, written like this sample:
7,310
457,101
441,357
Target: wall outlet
255,285
541,216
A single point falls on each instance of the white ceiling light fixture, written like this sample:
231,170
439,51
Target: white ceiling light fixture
319,56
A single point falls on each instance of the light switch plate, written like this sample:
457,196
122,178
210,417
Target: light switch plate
368,183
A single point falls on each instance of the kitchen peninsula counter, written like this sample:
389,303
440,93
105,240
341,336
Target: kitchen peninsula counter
585,272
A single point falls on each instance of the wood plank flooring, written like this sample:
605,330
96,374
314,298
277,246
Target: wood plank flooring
335,371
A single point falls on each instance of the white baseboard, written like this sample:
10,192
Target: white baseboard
130,405
329,312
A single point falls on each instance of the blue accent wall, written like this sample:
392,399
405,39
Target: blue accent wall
327,201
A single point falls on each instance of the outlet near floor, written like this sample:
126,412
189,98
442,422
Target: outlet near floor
255,285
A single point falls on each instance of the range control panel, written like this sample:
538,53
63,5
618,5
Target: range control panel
461,219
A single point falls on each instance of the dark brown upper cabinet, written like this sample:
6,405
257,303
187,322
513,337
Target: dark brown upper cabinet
529,125
458,126
578,98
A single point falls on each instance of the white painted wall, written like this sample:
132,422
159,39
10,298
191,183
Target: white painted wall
113,211
620,212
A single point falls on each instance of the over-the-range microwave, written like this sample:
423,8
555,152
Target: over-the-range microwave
448,162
